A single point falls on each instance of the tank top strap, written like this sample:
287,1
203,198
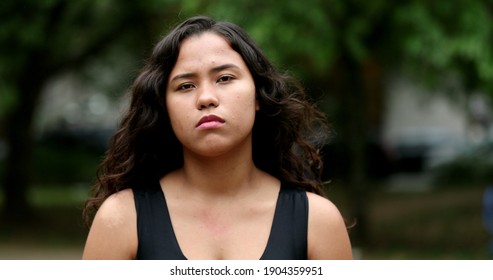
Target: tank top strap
156,238
289,233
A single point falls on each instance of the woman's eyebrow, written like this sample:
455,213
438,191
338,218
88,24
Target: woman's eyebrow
213,70
183,76
223,67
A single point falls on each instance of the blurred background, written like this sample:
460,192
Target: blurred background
406,86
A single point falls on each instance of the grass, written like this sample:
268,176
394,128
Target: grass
442,224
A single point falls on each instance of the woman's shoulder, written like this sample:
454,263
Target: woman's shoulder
327,233
322,206
323,212
116,207
113,231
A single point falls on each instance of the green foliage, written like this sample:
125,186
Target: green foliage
428,38
444,36
307,37
296,35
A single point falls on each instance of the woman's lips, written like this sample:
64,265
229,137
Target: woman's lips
210,122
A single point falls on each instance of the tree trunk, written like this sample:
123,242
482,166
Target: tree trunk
19,140
348,83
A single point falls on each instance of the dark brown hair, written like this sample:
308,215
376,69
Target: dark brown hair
287,134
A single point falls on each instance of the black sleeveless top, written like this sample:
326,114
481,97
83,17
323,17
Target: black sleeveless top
157,240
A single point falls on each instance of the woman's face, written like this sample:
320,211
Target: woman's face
210,97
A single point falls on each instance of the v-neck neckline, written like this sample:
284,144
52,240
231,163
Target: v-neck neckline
177,245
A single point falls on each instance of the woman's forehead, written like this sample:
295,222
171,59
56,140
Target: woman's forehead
206,50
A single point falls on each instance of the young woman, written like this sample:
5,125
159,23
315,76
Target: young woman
216,158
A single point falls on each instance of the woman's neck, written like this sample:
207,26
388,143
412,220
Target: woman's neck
224,175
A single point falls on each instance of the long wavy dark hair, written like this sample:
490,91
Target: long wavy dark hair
287,134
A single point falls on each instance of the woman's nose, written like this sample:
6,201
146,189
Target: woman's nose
207,97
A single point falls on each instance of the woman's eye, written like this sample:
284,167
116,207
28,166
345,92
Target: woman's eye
185,87
224,79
